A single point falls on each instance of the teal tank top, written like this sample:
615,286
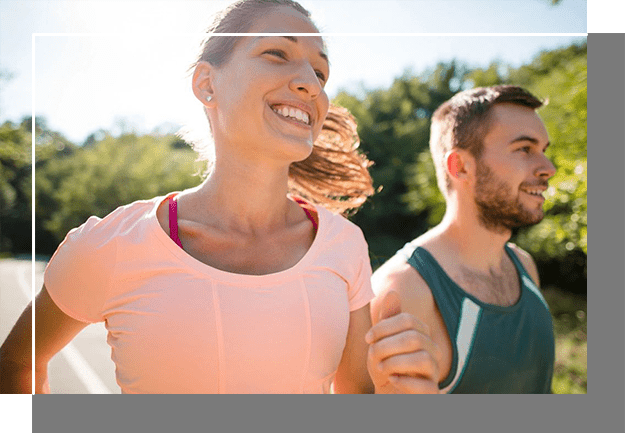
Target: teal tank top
497,350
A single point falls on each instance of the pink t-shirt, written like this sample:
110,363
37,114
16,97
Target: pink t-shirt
176,325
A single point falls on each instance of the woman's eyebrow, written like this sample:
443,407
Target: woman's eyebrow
323,55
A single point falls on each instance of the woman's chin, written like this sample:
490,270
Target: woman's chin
298,150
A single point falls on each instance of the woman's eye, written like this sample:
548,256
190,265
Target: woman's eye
277,53
525,149
321,76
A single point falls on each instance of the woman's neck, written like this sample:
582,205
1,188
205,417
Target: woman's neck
244,197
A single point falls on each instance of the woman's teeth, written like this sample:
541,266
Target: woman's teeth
292,112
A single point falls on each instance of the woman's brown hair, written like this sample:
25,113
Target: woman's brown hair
336,174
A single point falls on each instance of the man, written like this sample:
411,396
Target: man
476,293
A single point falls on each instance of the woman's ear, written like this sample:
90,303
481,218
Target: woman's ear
203,83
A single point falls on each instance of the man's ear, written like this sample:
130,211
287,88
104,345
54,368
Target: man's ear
458,165
203,83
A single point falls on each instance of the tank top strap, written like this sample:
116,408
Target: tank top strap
173,221
452,305
517,263
527,282
448,298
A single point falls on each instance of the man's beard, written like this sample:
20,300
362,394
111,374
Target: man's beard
499,207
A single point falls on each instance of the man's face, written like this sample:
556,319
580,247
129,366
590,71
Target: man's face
512,172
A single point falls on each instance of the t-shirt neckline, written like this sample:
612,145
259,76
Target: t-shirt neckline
226,276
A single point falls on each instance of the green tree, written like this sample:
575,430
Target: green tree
15,187
50,146
393,125
110,172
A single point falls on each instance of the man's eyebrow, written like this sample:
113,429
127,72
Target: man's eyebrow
524,138
323,55
532,140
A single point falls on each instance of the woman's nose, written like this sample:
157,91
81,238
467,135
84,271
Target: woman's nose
306,80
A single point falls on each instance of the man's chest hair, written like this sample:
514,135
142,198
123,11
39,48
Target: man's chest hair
498,288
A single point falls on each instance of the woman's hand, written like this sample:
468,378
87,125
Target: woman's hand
402,358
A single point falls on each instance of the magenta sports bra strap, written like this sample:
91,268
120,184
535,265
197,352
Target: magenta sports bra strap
303,204
173,221
312,220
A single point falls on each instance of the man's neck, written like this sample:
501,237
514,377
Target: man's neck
475,246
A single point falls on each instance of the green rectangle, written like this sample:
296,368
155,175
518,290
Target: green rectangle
606,16
16,413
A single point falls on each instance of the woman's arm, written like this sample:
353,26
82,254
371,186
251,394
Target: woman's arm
15,357
53,330
352,376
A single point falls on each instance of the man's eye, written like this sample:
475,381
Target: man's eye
525,149
321,76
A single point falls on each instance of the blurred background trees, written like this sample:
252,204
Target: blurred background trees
73,183
15,187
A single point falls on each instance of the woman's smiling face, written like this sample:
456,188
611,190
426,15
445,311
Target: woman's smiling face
271,90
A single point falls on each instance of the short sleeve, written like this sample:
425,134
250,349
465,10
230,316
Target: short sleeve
360,292
79,272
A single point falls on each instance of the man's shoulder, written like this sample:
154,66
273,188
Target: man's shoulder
395,273
399,276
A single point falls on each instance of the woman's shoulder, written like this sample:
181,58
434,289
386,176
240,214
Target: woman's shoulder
80,273
124,220
93,247
338,226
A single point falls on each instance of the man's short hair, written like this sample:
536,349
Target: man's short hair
463,121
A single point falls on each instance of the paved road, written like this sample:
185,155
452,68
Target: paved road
84,366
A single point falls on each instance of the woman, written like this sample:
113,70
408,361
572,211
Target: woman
246,283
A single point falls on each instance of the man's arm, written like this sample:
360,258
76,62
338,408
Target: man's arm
403,358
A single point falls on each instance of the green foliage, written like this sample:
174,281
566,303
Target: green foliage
15,187
423,193
393,125
569,314
109,172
